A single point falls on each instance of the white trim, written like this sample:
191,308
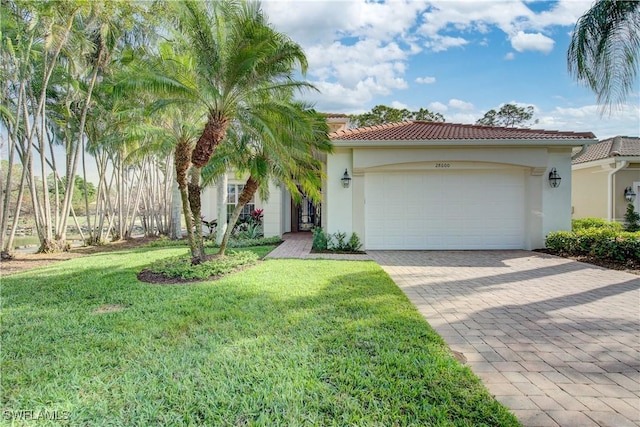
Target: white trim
610,189
605,162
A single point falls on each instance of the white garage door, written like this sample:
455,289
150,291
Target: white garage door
462,209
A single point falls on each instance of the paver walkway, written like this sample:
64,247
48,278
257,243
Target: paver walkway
298,245
556,341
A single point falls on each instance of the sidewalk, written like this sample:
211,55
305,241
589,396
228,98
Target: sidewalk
298,245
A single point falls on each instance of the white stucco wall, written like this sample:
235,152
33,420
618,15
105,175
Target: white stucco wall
272,218
546,209
272,215
556,202
337,208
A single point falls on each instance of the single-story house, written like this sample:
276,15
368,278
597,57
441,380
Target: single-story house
430,185
606,177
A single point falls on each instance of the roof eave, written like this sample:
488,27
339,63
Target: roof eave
605,161
568,142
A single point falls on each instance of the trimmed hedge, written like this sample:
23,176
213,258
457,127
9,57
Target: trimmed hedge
583,223
604,242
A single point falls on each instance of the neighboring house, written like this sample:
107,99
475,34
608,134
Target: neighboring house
601,176
428,185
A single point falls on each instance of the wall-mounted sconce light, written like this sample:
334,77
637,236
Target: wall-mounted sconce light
629,194
346,179
554,178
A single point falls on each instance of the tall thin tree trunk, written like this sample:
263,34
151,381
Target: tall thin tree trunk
249,190
71,175
181,160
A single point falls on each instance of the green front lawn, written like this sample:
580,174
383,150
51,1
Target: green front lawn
286,342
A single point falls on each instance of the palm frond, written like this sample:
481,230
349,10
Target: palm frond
605,49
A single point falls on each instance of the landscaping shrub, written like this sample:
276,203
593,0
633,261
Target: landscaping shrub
354,243
632,218
247,242
582,223
180,266
320,240
336,242
339,243
163,242
603,243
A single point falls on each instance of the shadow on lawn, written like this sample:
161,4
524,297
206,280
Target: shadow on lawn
349,340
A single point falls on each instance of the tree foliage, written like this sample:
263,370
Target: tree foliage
81,191
509,115
604,52
382,114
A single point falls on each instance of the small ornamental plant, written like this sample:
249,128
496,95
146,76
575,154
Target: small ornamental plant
632,219
336,242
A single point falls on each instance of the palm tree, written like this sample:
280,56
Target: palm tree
289,154
238,62
605,49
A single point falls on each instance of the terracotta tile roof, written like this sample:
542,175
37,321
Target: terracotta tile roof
613,147
422,130
335,115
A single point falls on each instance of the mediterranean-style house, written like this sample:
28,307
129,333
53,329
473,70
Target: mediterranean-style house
606,177
431,185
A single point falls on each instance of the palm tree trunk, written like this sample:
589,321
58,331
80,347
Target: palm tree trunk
249,190
182,159
196,211
213,133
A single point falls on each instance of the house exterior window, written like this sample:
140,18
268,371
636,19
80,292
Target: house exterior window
233,192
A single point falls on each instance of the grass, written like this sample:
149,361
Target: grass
286,342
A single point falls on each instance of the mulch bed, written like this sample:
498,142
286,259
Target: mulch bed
628,266
149,276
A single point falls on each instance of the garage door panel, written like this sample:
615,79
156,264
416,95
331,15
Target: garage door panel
473,209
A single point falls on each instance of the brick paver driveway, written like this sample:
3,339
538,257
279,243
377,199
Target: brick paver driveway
557,341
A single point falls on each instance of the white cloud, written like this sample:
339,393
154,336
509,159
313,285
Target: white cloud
587,118
399,105
312,22
351,64
461,117
426,80
460,105
532,41
564,12
359,50
441,43
438,107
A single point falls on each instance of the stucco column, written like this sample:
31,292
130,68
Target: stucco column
534,209
358,201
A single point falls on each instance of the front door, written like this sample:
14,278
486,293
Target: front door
305,216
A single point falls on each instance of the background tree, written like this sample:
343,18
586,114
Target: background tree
383,114
509,115
605,49
82,191
55,54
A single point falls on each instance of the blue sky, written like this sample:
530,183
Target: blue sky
458,58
